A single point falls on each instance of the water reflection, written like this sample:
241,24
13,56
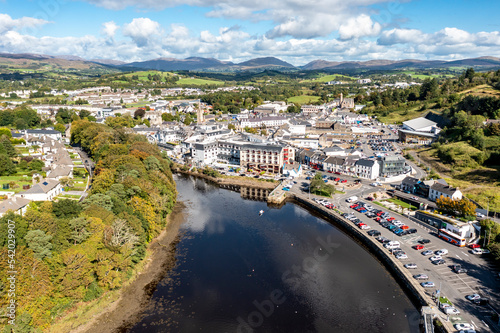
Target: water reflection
285,271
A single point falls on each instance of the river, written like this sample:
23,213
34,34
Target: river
284,271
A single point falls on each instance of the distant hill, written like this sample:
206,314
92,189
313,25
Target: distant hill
108,62
172,64
209,64
28,61
399,64
265,63
36,62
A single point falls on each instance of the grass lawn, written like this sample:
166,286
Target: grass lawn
77,162
304,99
483,90
401,203
398,116
198,82
69,196
18,179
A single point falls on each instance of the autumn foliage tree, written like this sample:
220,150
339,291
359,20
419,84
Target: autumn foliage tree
71,251
462,207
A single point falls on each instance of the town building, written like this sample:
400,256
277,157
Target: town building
366,168
392,166
437,190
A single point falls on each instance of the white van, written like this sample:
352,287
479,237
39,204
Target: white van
352,199
391,246
394,243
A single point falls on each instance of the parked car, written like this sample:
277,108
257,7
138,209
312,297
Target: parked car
411,266
477,251
428,284
441,252
451,311
418,247
434,258
427,253
439,262
424,241
421,277
474,246
464,326
374,233
411,231
401,256
473,297
458,269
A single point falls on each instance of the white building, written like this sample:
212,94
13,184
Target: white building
437,190
365,168
45,190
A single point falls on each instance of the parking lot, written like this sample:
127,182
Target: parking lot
481,277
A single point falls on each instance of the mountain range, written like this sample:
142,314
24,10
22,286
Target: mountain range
257,65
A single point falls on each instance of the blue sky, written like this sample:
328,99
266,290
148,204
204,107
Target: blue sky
297,31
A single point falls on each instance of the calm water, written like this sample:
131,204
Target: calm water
286,271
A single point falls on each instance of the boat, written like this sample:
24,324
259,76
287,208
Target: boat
261,212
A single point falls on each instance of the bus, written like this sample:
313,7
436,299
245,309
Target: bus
451,237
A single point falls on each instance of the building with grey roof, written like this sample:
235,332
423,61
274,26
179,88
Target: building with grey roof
45,190
366,168
437,190
17,205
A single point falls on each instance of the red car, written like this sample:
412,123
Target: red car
390,219
337,179
353,206
378,219
380,213
418,247
474,246
343,181
370,199
337,173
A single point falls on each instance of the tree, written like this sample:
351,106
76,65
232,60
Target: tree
60,128
7,145
120,234
36,165
39,242
167,117
6,166
293,109
5,131
66,208
99,199
79,232
139,113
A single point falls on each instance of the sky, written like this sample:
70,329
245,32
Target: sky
296,31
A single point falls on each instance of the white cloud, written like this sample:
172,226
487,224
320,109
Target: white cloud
144,39
7,23
300,19
141,30
361,26
401,36
109,29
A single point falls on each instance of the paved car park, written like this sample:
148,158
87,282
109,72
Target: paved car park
482,275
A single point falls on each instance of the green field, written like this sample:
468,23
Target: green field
143,75
327,78
425,76
198,82
304,99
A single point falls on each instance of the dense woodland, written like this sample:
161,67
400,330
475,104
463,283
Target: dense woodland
68,251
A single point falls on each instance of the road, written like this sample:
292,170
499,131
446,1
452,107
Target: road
482,276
